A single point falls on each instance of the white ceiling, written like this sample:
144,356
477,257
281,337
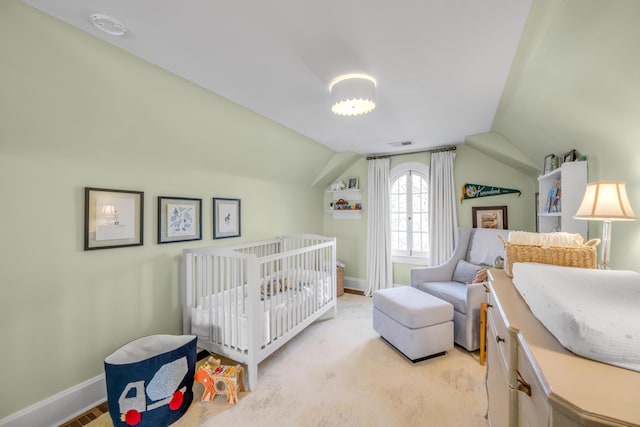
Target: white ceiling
440,64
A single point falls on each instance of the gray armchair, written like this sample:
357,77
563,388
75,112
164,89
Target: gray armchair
450,281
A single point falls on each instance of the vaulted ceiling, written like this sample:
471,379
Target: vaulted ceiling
440,65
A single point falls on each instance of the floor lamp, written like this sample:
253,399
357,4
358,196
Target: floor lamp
606,201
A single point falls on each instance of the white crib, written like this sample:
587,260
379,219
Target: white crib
246,301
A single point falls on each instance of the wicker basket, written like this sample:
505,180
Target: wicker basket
582,256
340,281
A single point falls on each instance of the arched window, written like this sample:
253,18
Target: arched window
410,213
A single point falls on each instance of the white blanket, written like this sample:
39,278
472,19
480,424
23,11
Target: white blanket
593,313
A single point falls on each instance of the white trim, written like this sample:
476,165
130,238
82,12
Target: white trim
61,407
355,284
406,259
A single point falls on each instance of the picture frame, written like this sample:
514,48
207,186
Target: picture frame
550,163
112,218
352,183
570,156
490,217
226,218
179,219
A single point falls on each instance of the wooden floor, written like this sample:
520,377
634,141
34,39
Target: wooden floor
88,416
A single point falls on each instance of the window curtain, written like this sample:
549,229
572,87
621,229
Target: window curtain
442,206
379,264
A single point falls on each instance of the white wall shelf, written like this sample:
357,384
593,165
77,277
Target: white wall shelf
572,177
351,196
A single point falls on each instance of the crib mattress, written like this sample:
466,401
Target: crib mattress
593,313
226,310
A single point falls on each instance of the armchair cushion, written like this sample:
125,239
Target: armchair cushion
455,293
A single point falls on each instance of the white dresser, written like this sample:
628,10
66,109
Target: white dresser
532,380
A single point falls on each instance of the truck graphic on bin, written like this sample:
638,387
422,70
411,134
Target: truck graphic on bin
162,389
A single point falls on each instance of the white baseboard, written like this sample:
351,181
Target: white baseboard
355,284
61,407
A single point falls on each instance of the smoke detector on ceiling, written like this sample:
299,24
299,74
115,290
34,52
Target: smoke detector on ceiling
401,143
108,24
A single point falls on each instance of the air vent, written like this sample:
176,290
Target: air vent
401,143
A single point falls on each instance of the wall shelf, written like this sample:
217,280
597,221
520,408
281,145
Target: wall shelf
351,196
572,179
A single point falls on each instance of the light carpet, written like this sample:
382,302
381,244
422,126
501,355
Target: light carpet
339,372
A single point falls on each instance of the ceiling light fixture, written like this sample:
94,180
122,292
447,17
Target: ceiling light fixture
108,24
352,94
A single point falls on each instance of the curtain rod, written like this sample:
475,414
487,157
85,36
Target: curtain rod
434,150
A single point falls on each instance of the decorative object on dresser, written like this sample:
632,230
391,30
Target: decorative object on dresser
606,201
452,280
533,380
112,218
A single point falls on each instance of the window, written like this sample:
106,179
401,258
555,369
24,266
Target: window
410,212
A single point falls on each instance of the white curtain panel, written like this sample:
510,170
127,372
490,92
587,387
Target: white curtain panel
442,206
379,265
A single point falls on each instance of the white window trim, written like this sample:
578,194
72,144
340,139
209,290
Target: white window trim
393,174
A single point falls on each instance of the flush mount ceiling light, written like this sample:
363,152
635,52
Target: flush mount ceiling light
108,24
353,94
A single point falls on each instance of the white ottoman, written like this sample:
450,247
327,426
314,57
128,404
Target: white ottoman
416,323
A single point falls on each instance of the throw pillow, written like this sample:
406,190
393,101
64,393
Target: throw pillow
465,271
481,276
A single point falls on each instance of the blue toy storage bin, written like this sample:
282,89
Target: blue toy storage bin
149,380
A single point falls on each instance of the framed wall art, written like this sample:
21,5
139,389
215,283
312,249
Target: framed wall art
226,218
490,217
352,183
112,218
179,219
550,163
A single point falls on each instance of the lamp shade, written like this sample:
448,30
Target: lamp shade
353,94
606,200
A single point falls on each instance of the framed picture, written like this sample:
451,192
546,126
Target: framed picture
352,183
571,156
226,218
490,217
550,163
179,219
112,218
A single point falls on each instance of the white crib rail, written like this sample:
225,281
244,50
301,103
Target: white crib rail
253,298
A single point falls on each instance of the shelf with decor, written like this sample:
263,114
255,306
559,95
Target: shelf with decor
345,204
561,192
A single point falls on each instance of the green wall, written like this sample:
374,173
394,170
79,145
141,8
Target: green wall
76,112
574,84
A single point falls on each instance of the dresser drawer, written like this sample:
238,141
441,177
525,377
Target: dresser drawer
499,329
533,408
497,385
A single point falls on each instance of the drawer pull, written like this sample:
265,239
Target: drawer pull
523,385
489,306
486,288
499,339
